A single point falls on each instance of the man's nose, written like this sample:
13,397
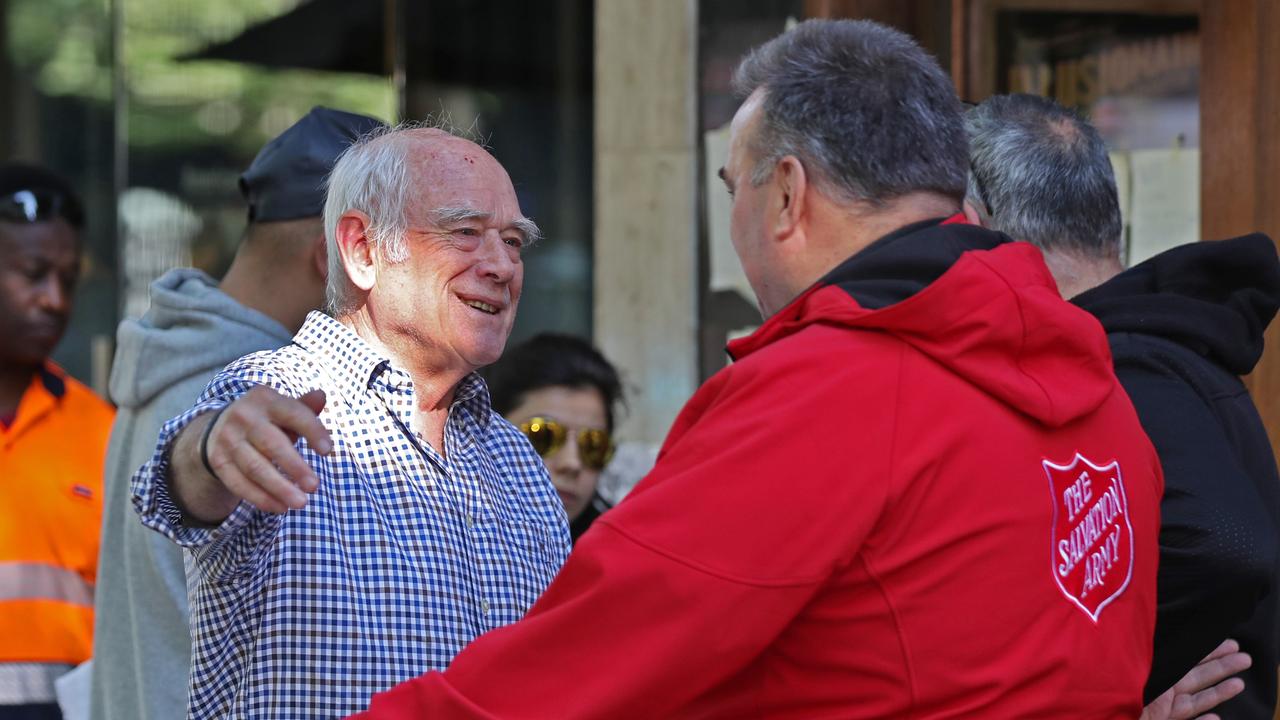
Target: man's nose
497,263
55,296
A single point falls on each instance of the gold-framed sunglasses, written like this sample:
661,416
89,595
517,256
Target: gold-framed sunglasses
595,446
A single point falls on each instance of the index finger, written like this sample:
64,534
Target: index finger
293,416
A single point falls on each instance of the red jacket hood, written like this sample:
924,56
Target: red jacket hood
994,318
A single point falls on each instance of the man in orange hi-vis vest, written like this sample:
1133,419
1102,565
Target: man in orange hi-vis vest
53,437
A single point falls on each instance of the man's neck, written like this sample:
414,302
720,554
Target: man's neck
1075,273
840,231
434,382
276,297
14,380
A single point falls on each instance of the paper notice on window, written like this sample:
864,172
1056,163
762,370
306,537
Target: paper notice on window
726,272
1164,204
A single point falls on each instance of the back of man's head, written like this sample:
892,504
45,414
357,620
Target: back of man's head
280,268
1040,173
284,187
286,181
865,109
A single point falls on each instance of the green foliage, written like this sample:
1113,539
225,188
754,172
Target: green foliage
66,46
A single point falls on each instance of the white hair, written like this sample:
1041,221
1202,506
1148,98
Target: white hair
370,176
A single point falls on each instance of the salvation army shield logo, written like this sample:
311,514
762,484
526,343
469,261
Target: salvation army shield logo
1092,551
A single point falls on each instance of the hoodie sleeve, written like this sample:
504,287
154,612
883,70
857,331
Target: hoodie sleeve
1217,545
687,581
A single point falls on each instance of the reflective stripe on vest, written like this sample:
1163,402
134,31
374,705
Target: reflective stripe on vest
29,683
46,614
38,581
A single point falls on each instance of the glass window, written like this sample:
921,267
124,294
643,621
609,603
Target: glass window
1137,78
519,76
726,32
56,81
205,86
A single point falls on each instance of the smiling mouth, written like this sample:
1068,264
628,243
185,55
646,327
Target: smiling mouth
481,306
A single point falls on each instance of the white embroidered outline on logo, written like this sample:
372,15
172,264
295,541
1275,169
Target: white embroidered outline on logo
1053,527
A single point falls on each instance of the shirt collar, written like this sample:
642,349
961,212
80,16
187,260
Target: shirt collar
52,380
356,365
473,395
44,393
351,361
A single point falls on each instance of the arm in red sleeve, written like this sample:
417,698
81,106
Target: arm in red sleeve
626,632
689,580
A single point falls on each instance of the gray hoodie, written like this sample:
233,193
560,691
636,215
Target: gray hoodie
163,361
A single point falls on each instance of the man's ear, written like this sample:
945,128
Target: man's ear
791,184
972,215
357,252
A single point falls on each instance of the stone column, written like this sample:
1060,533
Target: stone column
645,206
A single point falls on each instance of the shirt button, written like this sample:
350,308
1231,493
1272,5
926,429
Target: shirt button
471,520
484,606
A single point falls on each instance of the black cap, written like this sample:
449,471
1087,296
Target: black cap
31,193
286,180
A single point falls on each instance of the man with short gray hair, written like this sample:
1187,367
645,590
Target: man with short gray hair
1041,174
900,500
355,510
1183,326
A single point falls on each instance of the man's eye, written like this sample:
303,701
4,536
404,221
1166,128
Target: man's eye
514,241
468,232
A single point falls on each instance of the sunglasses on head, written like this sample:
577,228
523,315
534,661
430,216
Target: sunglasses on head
595,446
30,206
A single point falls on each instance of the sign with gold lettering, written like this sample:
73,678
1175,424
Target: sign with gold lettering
1091,556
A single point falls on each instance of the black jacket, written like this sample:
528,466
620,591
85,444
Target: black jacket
1183,326
593,510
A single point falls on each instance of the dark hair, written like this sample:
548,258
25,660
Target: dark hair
865,109
1040,173
16,177
552,360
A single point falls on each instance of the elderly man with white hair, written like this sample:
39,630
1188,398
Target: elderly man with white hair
354,510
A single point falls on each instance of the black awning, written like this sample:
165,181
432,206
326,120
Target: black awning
474,43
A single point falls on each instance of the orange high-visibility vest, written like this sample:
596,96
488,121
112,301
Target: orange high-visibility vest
51,462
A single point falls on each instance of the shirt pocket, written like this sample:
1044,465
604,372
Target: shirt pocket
534,547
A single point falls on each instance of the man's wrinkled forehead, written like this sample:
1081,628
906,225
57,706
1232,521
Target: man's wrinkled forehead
436,152
742,129
40,239
749,111
448,171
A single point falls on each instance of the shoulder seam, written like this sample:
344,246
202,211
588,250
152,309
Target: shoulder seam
605,521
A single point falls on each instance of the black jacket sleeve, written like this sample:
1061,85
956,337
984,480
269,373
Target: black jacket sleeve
1217,543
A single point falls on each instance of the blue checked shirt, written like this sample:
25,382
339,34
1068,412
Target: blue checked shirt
398,560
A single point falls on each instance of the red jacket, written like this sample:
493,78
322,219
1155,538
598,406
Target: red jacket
944,507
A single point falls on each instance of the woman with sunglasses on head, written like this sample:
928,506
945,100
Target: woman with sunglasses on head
561,393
